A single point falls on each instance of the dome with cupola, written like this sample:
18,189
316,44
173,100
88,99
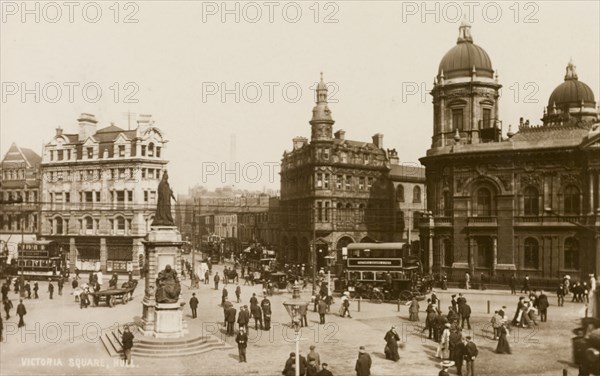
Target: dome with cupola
465,58
572,91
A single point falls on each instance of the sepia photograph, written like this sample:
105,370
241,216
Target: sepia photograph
300,188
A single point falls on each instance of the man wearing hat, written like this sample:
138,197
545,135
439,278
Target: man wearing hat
325,370
363,363
242,341
470,356
445,365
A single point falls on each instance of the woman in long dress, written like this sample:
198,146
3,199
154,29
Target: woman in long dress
503,346
414,310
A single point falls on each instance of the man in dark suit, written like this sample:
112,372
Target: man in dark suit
459,353
265,304
50,288
465,314
257,314
194,305
230,318
21,311
543,304
242,341
243,318
471,355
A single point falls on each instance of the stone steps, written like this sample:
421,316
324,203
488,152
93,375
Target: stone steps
157,348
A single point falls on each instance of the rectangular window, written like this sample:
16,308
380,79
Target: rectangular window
326,181
130,196
327,211
121,150
487,118
120,196
150,173
67,197
369,182
338,182
158,152
347,182
153,197
145,196
51,155
361,183
121,173
97,198
319,180
59,155
457,119
90,153
143,150
88,197
326,154
143,173
319,211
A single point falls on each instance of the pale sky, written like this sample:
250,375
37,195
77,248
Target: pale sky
375,52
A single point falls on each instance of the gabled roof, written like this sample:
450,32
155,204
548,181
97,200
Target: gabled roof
17,154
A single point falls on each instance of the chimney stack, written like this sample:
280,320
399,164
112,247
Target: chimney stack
59,131
378,140
87,126
340,135
299,142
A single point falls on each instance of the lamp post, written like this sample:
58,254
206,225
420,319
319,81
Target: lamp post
292,307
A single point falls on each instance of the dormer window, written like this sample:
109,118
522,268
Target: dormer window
121,150
151,150
60,155
90,152
143,150
158,152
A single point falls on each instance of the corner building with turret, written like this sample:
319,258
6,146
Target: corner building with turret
524,204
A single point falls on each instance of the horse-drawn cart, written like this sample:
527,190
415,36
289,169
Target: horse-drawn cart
111,296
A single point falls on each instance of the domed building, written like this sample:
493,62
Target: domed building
525,204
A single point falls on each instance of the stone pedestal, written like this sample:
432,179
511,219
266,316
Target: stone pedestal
162,248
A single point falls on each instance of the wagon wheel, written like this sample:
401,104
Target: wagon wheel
406,295
125,298
112,301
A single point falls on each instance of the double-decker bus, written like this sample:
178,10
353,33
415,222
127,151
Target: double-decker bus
369,262
40,259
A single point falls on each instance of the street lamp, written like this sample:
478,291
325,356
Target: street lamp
292,307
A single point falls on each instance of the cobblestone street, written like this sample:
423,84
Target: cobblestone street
63,339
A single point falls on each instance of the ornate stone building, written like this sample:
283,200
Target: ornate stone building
19,198
99,192
525,204
336,191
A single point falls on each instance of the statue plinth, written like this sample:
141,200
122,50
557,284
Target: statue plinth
162,247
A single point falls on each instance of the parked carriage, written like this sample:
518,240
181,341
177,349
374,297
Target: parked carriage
111,296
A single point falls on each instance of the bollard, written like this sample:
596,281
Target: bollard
488,306
398,304
359,300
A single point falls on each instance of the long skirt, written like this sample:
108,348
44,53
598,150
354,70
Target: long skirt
414,316
503,346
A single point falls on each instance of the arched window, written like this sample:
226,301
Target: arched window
151,149
416,194
349,211
531,201
340,210
361,213
58,225
400,193
571,254
531,254
483,205
447,204
120,223
571,200
88,223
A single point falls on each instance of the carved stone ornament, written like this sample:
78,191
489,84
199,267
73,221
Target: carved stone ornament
570,179
530,179
506,182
